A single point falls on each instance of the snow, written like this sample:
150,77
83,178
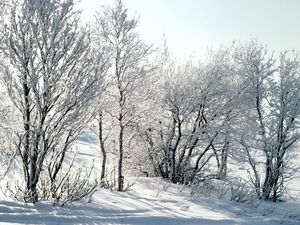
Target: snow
150,201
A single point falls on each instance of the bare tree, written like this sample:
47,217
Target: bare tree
195,108
129,70
52,80
272,114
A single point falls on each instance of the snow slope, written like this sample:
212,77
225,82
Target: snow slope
149,201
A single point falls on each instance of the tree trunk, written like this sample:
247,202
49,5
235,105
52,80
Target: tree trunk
267,187
29,155
32,194
103,151
173,166
222,170
276,174
120,159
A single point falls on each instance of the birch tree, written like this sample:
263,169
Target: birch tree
271,119
51,80
128,72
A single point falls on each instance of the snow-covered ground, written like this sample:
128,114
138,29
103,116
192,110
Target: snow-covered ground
150,201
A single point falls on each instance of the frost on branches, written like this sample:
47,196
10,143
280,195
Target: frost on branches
116,31
52,79
270,110
183,121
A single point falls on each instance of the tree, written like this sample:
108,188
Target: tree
129,71
271,116
195,107
52,80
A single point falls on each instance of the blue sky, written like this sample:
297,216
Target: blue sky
192,26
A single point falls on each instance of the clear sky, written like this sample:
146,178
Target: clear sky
191,26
